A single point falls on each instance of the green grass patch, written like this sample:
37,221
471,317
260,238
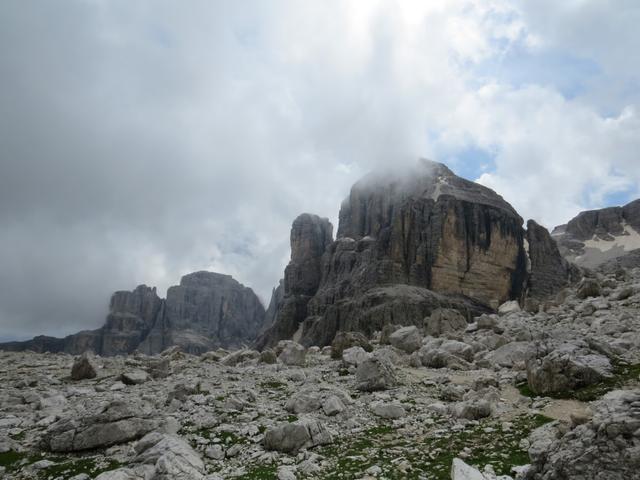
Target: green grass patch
260,472
91,466
431,456
13,461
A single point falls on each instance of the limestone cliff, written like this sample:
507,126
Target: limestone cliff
548,270
407,243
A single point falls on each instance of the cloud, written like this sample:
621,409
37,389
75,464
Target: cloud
141,141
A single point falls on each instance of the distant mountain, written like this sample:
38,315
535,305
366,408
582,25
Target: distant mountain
599,237
206,311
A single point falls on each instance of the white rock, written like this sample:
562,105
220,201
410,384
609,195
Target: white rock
388,410
462,471
333,405
355,356
511,306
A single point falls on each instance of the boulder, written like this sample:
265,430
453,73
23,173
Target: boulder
83,368
566,368
291,437
239,356
588,287
116,423
604,447
474,409
268,356
443,321
292,353
388,410
408,339
333,405
354,356
305,401
511,306
375,374
134,377
171,456
462,471
512,355
345,340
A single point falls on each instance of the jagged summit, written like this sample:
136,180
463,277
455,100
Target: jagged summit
426,180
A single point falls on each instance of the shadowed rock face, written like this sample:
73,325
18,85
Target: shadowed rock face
407,244
207,310
598,237
549,271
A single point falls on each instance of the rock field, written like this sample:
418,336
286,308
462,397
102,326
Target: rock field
547,395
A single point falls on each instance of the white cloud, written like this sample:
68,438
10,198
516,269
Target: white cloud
142,141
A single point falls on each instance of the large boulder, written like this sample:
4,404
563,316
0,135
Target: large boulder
116,423
83,368
408,339
589,287
291,437
292,353
443,321
344,340
566,368
604,447
375,373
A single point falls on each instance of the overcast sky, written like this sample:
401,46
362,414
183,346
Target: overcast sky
143,140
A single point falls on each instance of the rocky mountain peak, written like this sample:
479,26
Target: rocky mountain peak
373,199
408,242
206,311
595,238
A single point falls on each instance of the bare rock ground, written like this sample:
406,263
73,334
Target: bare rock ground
468,394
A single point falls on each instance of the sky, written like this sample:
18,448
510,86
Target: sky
140,141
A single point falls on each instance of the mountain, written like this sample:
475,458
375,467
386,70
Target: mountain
206,311
407,243
597,238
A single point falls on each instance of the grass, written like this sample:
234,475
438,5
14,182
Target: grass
90,466
622,374
65,467
13,461
260,472
431,456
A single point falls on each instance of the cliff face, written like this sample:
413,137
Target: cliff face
598,237
207,310
310,237
407,244
549,271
